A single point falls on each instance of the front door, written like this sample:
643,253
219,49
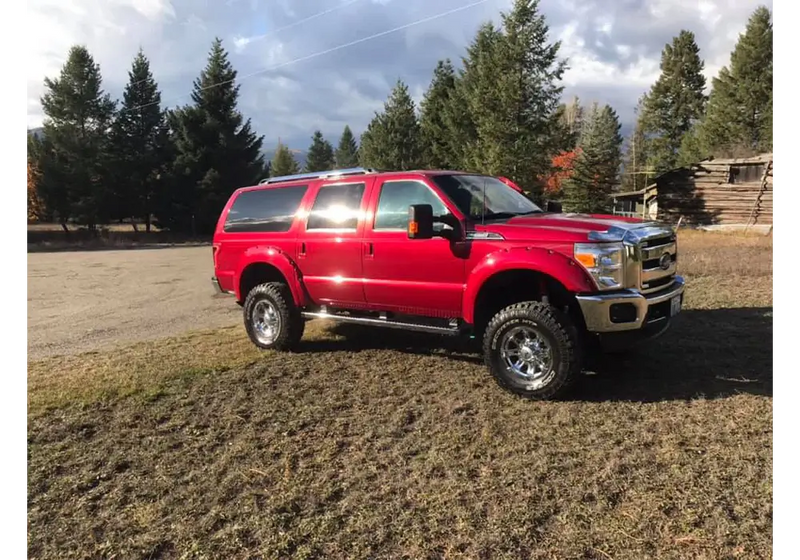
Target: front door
329,245
413,276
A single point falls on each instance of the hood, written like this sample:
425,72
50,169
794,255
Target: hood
561,227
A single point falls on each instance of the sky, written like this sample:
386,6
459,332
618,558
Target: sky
295,79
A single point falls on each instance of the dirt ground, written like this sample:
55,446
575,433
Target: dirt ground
84,301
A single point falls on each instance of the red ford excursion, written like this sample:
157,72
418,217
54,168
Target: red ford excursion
446,253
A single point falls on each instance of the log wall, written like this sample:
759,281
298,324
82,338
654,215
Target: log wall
718,192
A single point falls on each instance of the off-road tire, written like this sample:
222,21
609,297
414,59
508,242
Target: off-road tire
555,327
292,323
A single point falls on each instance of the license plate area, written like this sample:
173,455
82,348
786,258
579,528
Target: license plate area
675,305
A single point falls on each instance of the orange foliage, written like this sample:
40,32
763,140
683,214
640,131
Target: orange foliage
34,203
563,165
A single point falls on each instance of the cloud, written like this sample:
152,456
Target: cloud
613,49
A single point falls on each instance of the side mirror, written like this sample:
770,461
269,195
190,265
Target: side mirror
420,221
553,206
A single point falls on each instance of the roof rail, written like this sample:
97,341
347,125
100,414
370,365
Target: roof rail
318,175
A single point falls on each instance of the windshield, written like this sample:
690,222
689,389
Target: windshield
498,201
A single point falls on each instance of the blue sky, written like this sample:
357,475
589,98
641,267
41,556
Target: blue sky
613,48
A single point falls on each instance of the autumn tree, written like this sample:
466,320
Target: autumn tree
283,162
596,168
73,155
320,154
141,146
675,102
347,151
739,116
562,170
392,140
216,149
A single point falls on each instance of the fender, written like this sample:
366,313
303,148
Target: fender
279,259
547,261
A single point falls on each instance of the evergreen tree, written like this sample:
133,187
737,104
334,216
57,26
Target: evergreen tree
597,165
675,102
436,137
74,154
392,140
513,95
347,152
283,163
141,145
739,116
320,154
216,149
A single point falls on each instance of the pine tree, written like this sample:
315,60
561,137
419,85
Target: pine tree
347,153
320,154
433,121
739,116
675,102
513,94
216,149
141,145
596,168
74,154
35,210
283,163
392,140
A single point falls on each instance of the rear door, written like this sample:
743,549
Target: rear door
414,276
329,244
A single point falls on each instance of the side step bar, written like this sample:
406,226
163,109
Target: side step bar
430,329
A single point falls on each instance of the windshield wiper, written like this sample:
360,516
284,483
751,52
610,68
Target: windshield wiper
504,215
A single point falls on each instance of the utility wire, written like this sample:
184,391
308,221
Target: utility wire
326,51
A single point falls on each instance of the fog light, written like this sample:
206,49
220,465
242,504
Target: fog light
622,313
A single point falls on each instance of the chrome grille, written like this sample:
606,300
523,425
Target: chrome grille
655,259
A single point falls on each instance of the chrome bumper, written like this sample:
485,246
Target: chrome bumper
596,308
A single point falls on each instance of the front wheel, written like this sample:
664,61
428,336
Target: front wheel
271,318
532,350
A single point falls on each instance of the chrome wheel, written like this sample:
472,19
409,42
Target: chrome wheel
266,322
528,357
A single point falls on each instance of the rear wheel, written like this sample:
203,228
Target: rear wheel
271,318
532,350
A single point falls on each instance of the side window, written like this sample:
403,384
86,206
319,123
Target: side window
264,210
337,207
397,196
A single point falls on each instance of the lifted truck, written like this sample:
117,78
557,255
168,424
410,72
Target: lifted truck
446,253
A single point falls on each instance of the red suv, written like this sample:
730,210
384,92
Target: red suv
446,253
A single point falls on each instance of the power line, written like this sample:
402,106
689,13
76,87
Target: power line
285,27
326,51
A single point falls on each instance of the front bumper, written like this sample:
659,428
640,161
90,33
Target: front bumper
629,310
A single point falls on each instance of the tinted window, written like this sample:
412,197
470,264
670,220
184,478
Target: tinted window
265,209
482,197
397,196
336,207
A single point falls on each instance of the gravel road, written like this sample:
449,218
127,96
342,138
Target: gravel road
83,301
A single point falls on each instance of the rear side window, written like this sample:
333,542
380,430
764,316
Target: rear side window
265,210
337,207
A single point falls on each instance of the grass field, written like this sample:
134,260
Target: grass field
389,445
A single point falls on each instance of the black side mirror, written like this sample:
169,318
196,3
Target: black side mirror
553,206
420,221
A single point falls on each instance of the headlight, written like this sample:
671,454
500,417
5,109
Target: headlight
604,262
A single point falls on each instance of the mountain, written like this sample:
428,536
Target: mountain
38,132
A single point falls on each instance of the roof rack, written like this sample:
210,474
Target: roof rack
318,175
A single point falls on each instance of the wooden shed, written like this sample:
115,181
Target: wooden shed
717,192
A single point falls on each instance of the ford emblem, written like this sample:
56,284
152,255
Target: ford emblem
665,261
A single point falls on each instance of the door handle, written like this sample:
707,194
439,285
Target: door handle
302,250
369,249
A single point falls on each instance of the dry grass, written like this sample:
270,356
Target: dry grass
388,445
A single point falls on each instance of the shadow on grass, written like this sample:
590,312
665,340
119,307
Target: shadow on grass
707,353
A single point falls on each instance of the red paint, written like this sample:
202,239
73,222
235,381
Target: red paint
383,270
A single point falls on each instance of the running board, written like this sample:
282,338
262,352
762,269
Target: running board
430,329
